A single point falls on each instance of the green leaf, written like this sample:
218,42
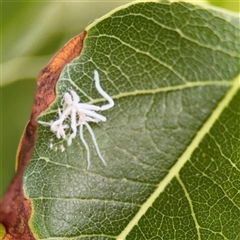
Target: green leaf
171,142
2,231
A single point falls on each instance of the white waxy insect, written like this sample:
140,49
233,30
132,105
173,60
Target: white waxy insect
80,114
62,148
51,143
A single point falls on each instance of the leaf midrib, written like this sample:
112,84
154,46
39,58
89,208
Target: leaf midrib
183,158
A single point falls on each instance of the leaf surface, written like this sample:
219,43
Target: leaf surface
171,142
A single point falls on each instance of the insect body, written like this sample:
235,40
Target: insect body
80,114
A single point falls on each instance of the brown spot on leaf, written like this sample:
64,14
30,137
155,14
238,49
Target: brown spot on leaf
49,75
15,209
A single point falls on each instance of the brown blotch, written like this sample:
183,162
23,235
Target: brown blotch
15,209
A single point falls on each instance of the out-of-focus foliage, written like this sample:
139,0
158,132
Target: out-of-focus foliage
229,5
32,32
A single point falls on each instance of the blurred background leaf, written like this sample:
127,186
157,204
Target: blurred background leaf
32,32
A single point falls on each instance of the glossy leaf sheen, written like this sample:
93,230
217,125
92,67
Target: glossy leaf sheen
172,154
